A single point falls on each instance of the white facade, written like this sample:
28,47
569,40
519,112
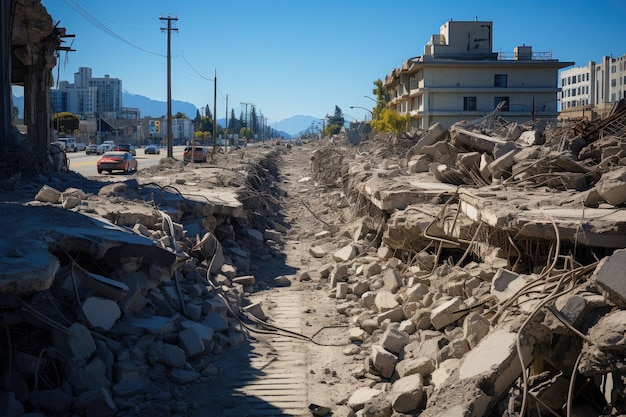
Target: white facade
594,87
88,96
459,77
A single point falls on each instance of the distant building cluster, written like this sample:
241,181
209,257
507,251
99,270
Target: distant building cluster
89,97
98,103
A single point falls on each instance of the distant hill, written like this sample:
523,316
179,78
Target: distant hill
155,108
295,125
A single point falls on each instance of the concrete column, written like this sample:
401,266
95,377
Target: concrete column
6,108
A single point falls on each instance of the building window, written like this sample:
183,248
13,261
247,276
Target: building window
500,80
469,103
498,100
613,83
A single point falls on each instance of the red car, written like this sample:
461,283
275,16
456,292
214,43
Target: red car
200,153
117,161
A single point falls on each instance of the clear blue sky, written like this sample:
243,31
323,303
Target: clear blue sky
292,57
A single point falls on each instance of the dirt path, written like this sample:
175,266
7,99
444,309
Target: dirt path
279,375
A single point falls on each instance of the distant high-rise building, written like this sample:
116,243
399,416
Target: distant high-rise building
590,90
89,96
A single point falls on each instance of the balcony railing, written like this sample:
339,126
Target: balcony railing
536,56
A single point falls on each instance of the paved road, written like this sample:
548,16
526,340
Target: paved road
86,164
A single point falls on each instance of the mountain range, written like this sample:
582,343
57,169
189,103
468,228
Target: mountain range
288,128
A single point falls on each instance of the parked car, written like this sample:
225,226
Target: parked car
117,161
152,149
81,146
105,147
126,147
200,153
70,144
91,148
58,144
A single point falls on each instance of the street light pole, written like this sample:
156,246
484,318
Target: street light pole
358,107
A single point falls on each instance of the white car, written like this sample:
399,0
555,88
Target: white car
105,147
91,148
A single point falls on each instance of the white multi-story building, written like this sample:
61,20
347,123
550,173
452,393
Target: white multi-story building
589,91
459,77
89,96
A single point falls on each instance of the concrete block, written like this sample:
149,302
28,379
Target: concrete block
392,280
395,315
127,389
407,394
446,313
361,396
191,342
475,327
345,254
246,280
502,165
166,354
48,194
79,343
612,186
371,269
129,371
317,252
256,309
368,299
383,361
341,291
96,403
439,376
531,138
394,340
255,235
55,401
89,377
609,275
385,300
184,376
101,313
421,365
419,163
360,288
495,359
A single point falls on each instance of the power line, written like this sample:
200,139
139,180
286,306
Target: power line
99,25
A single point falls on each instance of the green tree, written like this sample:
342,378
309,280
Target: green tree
180,115
65,122
233,123
391,121
254,120
382,98
336,121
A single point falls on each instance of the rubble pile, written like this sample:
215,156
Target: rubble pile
125,299
486,277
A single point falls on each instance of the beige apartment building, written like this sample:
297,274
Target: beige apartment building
459,77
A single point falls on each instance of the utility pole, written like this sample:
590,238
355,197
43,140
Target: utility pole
226,140
169,18
246,119
215,110
246,104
